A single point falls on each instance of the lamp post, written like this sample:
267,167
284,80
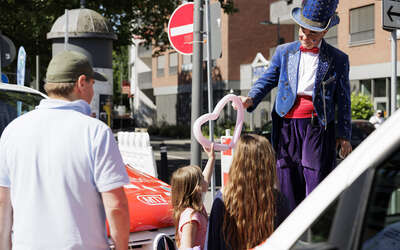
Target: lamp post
280,40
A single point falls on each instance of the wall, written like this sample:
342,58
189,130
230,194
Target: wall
247,36
374,53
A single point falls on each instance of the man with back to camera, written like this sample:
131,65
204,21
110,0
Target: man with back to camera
61,173
312,79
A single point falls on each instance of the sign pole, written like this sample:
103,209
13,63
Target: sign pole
66,30
394,72
197,90
391,22
37,72
210,87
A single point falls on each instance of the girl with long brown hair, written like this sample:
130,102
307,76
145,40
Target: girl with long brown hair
246,212
189,186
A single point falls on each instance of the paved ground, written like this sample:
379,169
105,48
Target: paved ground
178,155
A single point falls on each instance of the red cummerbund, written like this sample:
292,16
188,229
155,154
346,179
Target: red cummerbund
302,108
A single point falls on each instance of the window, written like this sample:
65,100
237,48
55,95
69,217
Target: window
380,87
187,63
362,25
366,87
331,36
173,63
13,104
319,231
160,66
381,225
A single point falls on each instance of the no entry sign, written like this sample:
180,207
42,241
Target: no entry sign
180,29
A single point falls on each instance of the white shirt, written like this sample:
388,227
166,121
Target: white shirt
307,72
56,160
377,121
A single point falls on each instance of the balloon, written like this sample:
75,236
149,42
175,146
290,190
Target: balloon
214,116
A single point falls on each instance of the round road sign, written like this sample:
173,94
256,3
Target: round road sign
180,29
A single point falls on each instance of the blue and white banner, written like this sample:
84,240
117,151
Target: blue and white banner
21,66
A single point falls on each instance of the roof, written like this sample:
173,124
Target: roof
82,23
19,88
259,60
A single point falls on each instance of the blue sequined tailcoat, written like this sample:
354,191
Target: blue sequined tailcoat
331,84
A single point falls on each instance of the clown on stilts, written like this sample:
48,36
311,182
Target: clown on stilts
312,112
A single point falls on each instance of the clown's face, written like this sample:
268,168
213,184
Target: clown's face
310,39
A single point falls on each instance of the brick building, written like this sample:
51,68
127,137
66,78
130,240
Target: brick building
163,83
360,35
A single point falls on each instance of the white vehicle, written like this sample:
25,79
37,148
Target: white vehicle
147,196
356,207
16,100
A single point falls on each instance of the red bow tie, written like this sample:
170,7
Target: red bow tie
314,50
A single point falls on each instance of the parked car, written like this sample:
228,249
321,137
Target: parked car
360,129
16,100
148,197
357,206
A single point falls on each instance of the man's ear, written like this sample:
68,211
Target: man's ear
80,83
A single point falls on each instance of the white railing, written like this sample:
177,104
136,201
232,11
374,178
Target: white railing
136,151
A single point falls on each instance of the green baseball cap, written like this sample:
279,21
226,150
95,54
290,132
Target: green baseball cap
67,66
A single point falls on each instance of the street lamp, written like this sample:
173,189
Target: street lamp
280,39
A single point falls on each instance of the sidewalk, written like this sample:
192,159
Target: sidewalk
168,140
178,154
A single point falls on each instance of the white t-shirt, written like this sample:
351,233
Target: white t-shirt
377,121
56,160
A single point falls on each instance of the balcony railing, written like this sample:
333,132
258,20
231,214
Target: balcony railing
145,80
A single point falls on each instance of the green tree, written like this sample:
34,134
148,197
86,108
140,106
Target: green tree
26,23
361,106
121,73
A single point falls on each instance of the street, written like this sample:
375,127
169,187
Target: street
178,153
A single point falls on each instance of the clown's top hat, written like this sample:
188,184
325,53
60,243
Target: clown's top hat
316,15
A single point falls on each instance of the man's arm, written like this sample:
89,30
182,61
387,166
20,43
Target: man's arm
265,83
5,218
117,212
343,102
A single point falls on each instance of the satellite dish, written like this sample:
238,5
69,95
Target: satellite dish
7,51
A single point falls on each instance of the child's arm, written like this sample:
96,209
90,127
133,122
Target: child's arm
209,169
189,231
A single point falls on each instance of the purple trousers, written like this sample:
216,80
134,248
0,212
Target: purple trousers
306,154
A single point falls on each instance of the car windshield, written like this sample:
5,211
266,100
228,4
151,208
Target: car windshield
14,104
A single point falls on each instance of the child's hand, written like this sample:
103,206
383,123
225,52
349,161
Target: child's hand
210,151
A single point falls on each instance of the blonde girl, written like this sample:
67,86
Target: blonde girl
249,207
189,186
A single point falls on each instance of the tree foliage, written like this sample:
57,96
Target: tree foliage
121,73
26,22
361,106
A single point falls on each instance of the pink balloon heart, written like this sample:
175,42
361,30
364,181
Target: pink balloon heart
214,116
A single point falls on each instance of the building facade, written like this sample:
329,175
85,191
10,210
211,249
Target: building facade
243,36
360,35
